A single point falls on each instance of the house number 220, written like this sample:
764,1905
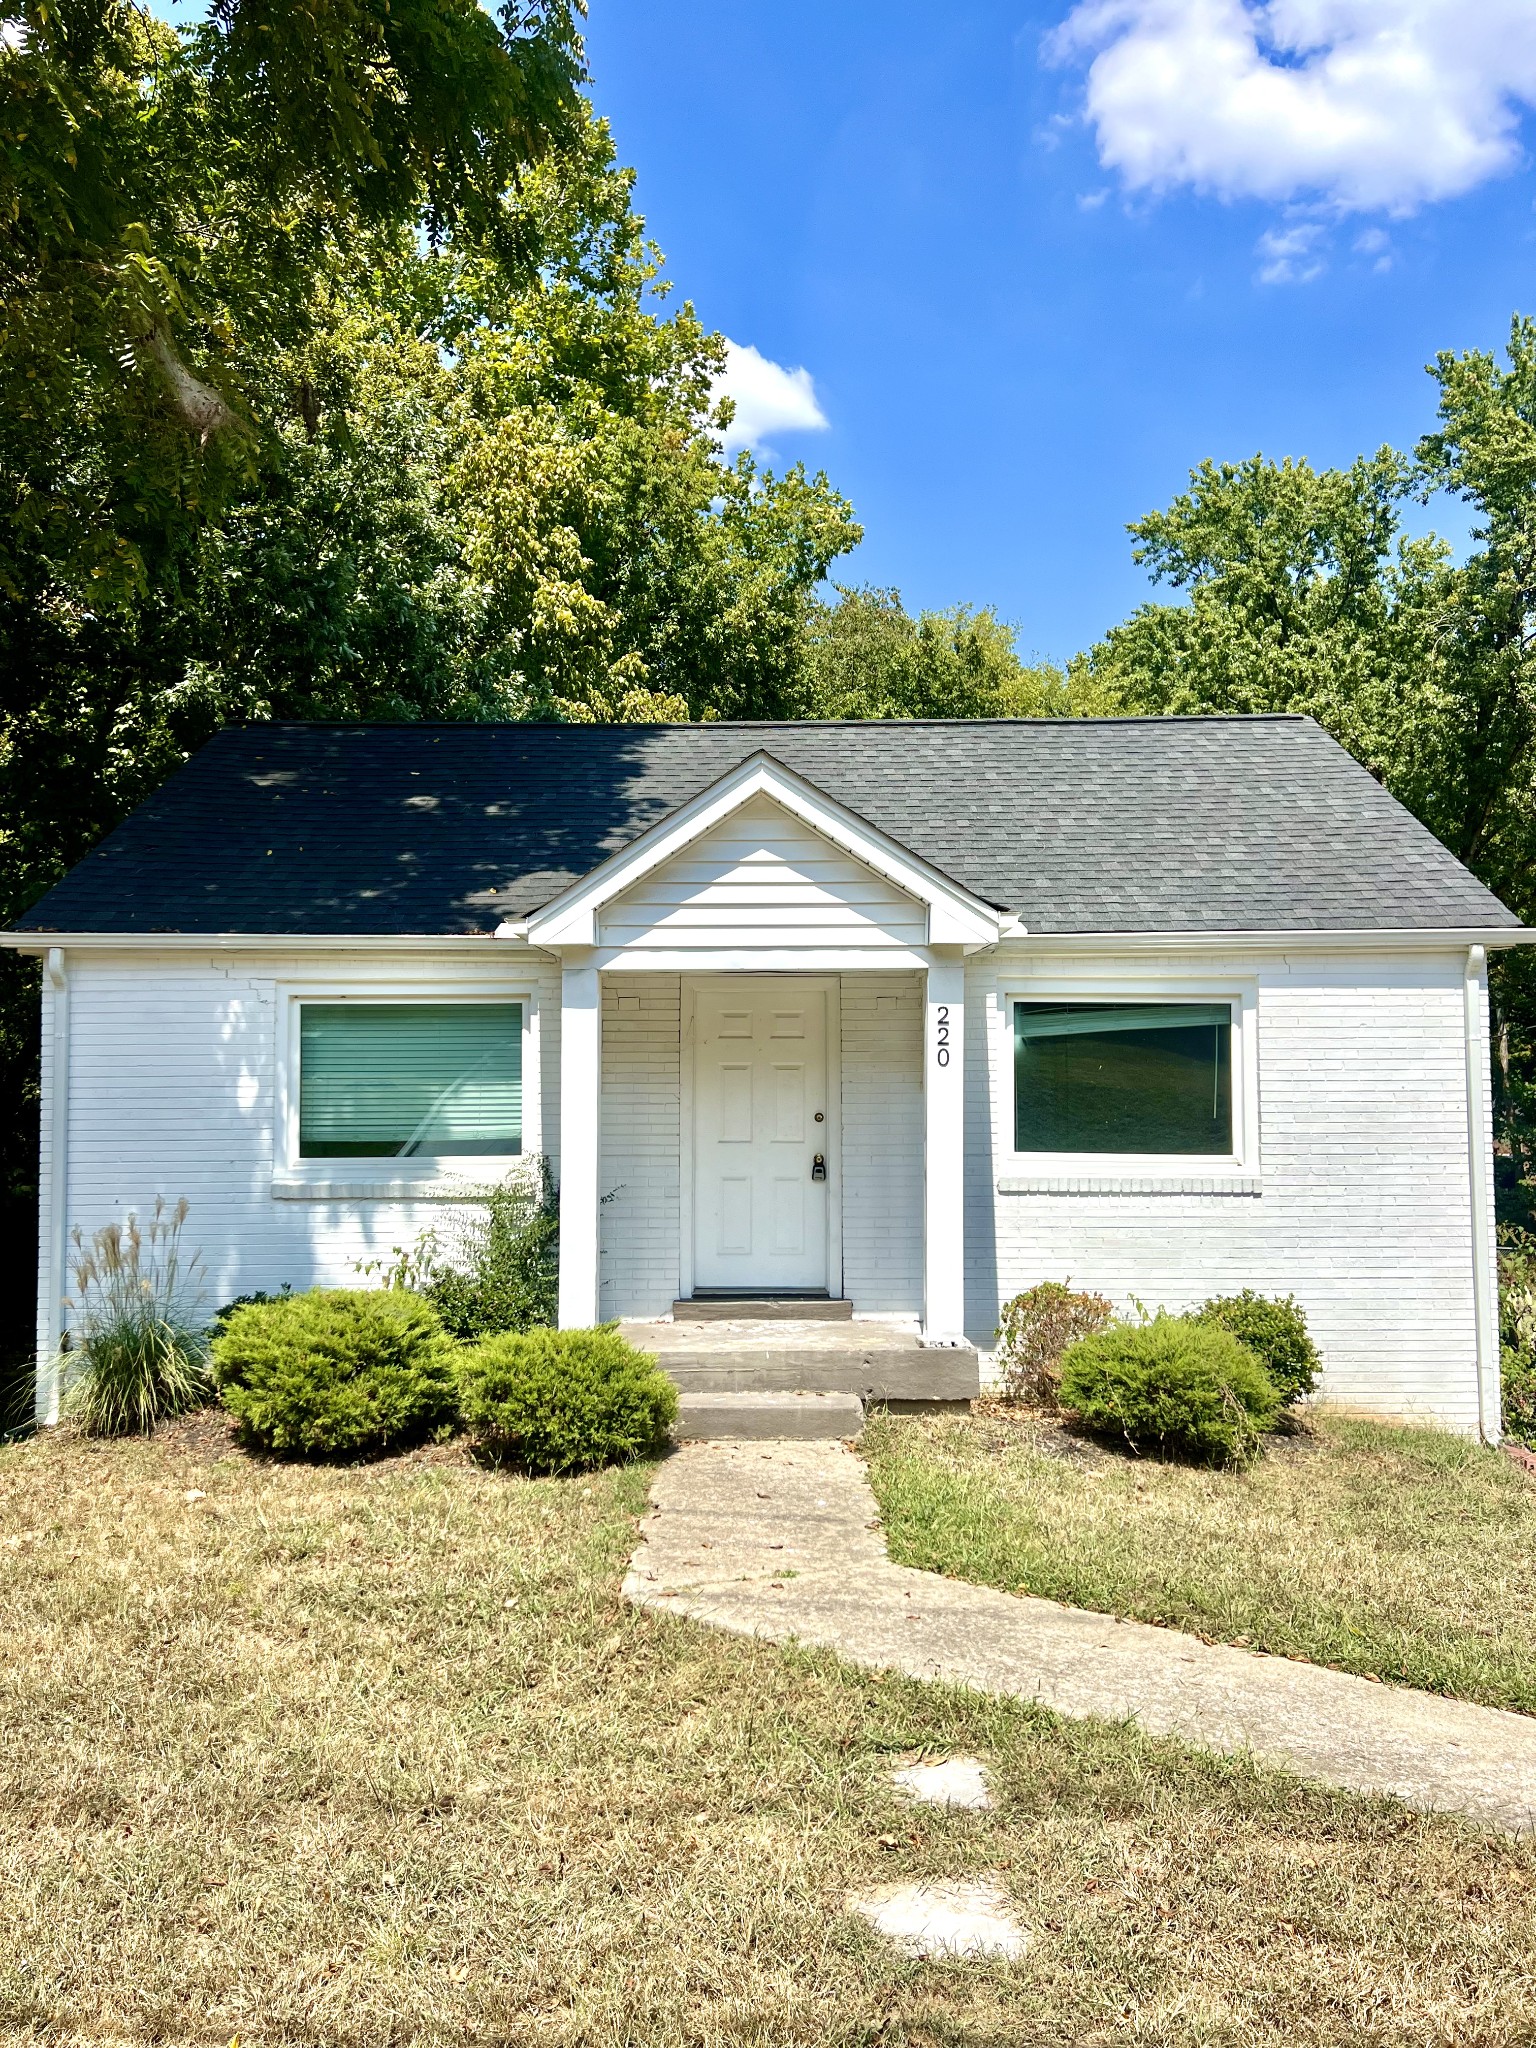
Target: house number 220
941,1035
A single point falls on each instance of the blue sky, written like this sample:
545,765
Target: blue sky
1031,291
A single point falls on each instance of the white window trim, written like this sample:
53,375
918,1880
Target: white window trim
1234,1172
443,1175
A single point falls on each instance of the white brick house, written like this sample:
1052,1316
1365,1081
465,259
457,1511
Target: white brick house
909,1016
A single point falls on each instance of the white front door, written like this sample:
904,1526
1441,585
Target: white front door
761,1126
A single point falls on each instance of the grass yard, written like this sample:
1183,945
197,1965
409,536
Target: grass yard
373,1756
1405,1554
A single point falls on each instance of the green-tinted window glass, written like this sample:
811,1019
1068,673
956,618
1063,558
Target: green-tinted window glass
1123,1077
389,1080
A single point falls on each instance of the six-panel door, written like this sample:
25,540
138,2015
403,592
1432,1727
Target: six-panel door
760,1079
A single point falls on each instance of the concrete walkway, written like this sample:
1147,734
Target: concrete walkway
782,1540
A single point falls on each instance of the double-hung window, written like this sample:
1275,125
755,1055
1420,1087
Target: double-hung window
1127,1078
410,1080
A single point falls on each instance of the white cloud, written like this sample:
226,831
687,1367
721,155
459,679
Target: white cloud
1291,255
769,399
1357,105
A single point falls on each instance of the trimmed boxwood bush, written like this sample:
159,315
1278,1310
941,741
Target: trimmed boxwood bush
337,1372
564,1400
1172,1384
1275,1331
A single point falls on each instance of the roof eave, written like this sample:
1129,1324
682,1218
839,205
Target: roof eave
1416,938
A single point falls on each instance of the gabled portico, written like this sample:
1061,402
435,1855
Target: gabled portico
763,896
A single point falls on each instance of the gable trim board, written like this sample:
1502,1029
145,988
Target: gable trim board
954,916
1362,1133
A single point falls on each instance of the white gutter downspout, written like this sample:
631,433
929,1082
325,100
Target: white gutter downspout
54,1262
1480,1170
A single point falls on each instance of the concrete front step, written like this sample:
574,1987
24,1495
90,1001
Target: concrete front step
769,1417
767,1308
878,1362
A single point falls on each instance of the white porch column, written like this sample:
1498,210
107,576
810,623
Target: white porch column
580,1089
944,1146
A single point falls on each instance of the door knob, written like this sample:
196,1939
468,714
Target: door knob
818,1168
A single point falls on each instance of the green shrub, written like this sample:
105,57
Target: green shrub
1275,1331
1174,1384
221,1316
1518,1377
141,1349
495,1263
564,1400
1033,1332
337,1373
1517,1332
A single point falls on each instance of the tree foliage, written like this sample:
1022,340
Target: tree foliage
171,201
1303,591
867,657
337,379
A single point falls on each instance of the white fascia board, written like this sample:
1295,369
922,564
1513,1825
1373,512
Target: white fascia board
1418,940
1428,939
762,960
955,917
249,942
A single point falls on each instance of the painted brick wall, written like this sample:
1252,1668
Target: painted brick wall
172,1083
1364,1205
638,1228
883,1142
1362,1211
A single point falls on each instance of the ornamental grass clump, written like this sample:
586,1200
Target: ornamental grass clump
337,1373
139,1342
1172,1385
561,1401
1275,1331
1034,1332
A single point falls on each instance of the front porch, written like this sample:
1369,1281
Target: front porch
761,1055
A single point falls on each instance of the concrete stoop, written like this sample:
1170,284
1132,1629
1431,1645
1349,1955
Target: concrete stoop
769,1416
762,1308
878,1362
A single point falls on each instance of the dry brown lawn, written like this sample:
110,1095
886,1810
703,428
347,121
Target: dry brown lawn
372,1756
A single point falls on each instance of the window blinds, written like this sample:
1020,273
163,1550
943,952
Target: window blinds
393,1080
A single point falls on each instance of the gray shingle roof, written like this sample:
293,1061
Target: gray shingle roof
1106,825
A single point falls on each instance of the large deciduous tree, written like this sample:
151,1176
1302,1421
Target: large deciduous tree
1303,592
336,380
